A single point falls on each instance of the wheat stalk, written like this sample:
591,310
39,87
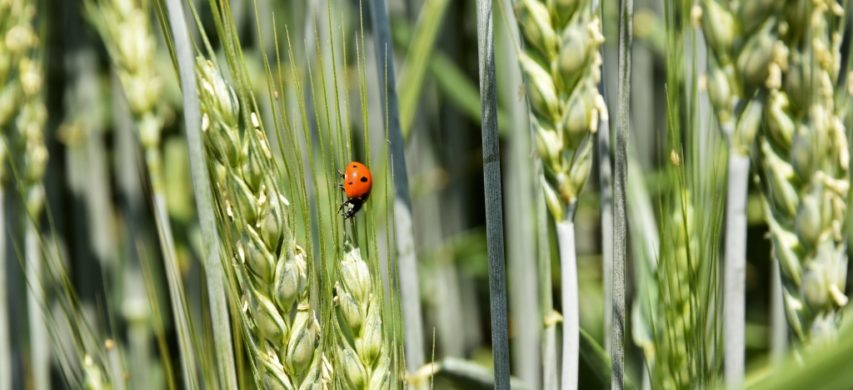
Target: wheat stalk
562,67
740,36
21,74
804,167
363,355
125,28
271,269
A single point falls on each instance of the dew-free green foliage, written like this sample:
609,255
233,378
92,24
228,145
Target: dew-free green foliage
804,157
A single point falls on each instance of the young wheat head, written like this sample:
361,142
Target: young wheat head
562,67
271,269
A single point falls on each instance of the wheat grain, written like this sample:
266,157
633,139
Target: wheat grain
363,355
271,269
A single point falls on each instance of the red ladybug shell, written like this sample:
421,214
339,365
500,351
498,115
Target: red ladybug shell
357,180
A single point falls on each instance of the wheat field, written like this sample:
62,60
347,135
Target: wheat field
425,194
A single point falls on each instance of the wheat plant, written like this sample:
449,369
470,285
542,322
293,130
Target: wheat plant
561,64
804,160
22,119
741,39
16,30
270,268
126,29
685,322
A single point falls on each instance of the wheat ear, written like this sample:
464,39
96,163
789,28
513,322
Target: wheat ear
562,68
271,269
363,355
804,167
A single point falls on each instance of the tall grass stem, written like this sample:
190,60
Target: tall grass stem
203,196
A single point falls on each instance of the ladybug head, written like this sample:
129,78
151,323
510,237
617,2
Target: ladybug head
350,207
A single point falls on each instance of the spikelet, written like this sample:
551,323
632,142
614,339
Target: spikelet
363,356
271,269
562,67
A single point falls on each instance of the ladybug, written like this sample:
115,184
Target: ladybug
357,182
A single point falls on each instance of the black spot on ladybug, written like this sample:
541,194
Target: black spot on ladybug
354,166
364,179
349,183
